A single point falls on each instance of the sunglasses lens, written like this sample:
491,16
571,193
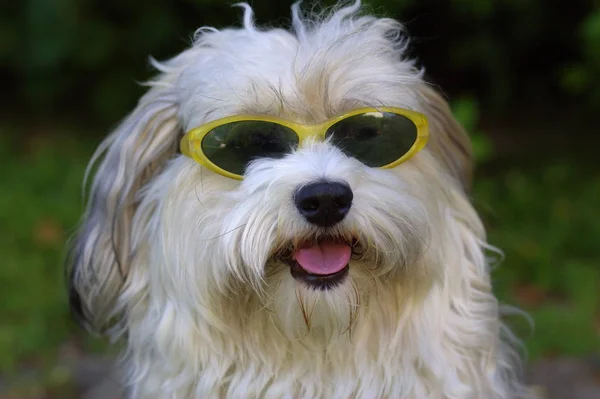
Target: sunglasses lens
374,138
233,145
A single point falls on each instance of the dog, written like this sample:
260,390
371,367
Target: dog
286,214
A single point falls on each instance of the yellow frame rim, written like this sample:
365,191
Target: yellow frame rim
191,142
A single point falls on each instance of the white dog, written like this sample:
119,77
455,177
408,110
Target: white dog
302,260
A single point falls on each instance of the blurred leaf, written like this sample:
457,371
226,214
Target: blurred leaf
99,45
575,78
482,147
475,8
47,233
530,295
106,103
52,33
591,28
466,111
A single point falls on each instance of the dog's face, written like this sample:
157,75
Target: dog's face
309,237
248,287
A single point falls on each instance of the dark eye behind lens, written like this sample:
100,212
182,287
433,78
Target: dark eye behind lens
234,145
376,138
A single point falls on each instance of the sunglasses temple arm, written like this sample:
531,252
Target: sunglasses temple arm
184,146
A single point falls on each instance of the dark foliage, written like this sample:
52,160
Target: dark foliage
81,58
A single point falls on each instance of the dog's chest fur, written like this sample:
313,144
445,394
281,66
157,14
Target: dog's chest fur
374,360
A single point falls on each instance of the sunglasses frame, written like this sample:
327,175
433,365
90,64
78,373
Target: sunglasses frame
191,142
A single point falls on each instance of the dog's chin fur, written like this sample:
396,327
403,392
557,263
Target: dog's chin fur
187,267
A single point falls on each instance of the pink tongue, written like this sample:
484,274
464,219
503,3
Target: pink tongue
323,258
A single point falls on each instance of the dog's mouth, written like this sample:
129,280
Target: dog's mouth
321,264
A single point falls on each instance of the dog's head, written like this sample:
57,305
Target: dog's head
309,237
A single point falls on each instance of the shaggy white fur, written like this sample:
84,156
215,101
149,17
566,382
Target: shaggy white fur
182,263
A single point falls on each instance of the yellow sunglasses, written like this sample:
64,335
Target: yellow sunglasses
378,137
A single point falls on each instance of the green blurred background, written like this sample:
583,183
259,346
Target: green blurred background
522,75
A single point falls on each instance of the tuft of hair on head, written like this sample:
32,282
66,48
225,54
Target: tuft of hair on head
248,16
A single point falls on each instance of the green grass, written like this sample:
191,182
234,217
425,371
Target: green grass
545,219
547,222
40,203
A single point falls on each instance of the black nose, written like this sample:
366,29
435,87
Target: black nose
324,203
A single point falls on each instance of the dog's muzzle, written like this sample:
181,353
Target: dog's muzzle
322,263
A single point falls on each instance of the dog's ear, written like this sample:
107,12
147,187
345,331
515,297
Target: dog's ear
100,253
448,140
